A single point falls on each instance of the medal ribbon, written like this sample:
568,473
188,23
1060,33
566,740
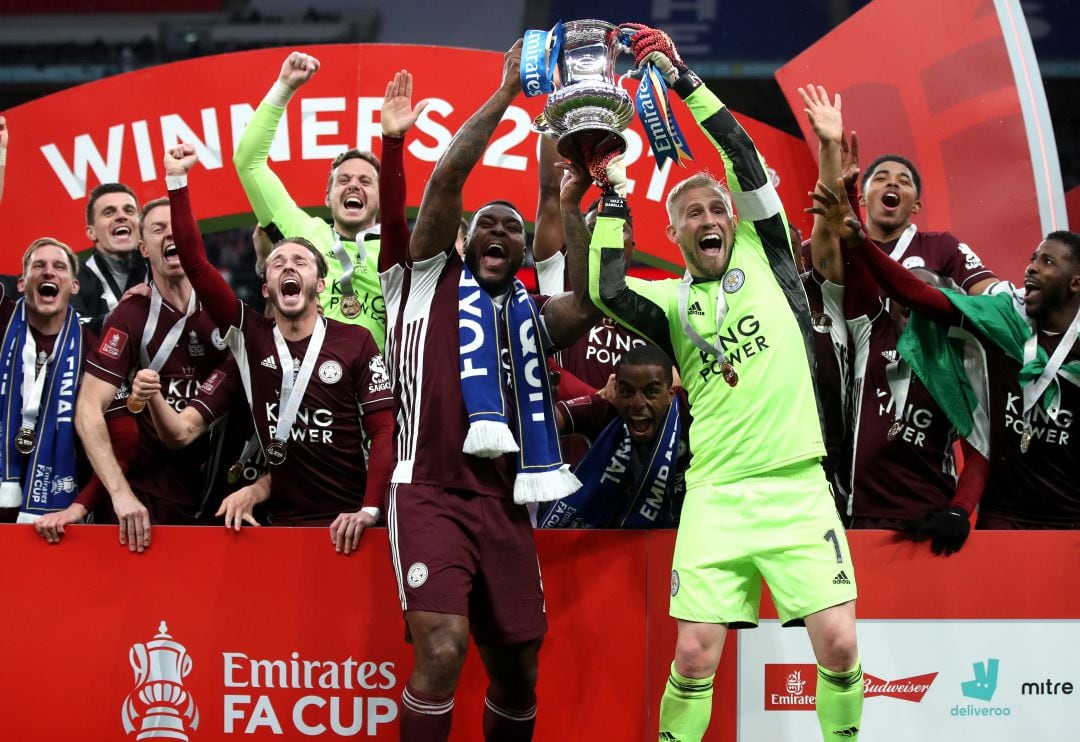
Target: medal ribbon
539,60
654,110
721,313
293,388
33,381
348,268
169,343
109,294
898,376
1033,392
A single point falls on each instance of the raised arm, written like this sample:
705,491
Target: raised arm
268,197
548,228
213,291
828,125
398,116
95,395
896,281
440,209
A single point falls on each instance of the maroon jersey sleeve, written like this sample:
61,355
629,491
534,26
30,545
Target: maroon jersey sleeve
959,262
117,351
393,226
379,426
373,388
216,394
901,284
213,290
587,415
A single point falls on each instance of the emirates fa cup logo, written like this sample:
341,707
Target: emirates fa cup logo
167,710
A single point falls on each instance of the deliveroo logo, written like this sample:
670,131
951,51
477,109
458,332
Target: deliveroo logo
983,685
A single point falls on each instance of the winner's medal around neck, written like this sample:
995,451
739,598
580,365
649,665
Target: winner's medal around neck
135,406
24,440
293,388
350,307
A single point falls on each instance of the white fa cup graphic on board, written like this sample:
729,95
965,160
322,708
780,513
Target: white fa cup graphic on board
166,709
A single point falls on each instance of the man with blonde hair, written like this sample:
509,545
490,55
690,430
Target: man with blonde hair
40,363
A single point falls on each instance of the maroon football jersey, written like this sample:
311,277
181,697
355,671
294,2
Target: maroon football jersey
1041,486
422,343
324,473
159,473
907,477
592,358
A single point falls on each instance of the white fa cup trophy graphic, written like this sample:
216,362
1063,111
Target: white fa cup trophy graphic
167,710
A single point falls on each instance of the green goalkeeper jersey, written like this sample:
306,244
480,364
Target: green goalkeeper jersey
770,419
279,215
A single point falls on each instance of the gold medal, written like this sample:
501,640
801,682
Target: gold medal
135,406
350,307
894,430
24,440
1025,440
235,472
276,453
731,376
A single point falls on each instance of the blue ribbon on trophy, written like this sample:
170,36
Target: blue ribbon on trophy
539,60
654,111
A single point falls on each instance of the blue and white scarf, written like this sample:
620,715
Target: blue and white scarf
608,497
44,480
541,473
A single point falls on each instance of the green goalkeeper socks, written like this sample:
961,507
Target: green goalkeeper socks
840,702
685,708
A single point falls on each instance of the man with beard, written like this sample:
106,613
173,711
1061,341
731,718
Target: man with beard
169,332
40,361
757,502
1029,389
116,264
633,475
460,534
350,244
315,385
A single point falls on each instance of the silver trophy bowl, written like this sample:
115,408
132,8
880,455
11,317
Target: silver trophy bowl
588,111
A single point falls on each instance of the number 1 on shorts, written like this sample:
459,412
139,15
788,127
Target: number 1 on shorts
830,535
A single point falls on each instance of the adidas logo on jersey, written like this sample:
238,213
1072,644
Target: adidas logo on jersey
849,732
269,362
890,356
695,308
841,578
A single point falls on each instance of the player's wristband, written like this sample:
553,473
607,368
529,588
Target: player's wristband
279,94
374,512
612,204
175,182
687,83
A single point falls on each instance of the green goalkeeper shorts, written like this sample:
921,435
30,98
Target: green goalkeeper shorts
782,527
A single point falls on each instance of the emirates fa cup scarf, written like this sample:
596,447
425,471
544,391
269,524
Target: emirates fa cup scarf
541,474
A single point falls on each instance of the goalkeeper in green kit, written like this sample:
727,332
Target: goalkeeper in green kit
757,502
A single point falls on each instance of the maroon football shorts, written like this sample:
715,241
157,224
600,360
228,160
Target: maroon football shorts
468,555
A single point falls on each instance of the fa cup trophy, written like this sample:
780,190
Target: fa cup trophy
586,110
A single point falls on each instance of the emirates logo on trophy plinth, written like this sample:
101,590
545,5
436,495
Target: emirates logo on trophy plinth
166,709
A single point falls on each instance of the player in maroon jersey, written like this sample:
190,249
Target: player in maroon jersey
463,551
171,332
315,385
902,460
1032,452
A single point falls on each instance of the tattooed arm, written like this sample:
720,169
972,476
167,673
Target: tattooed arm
440,211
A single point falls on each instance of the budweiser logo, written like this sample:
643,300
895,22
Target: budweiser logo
906,689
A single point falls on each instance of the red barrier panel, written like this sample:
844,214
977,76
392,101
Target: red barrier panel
287,639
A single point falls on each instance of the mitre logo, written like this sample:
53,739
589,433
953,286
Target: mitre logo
167,711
